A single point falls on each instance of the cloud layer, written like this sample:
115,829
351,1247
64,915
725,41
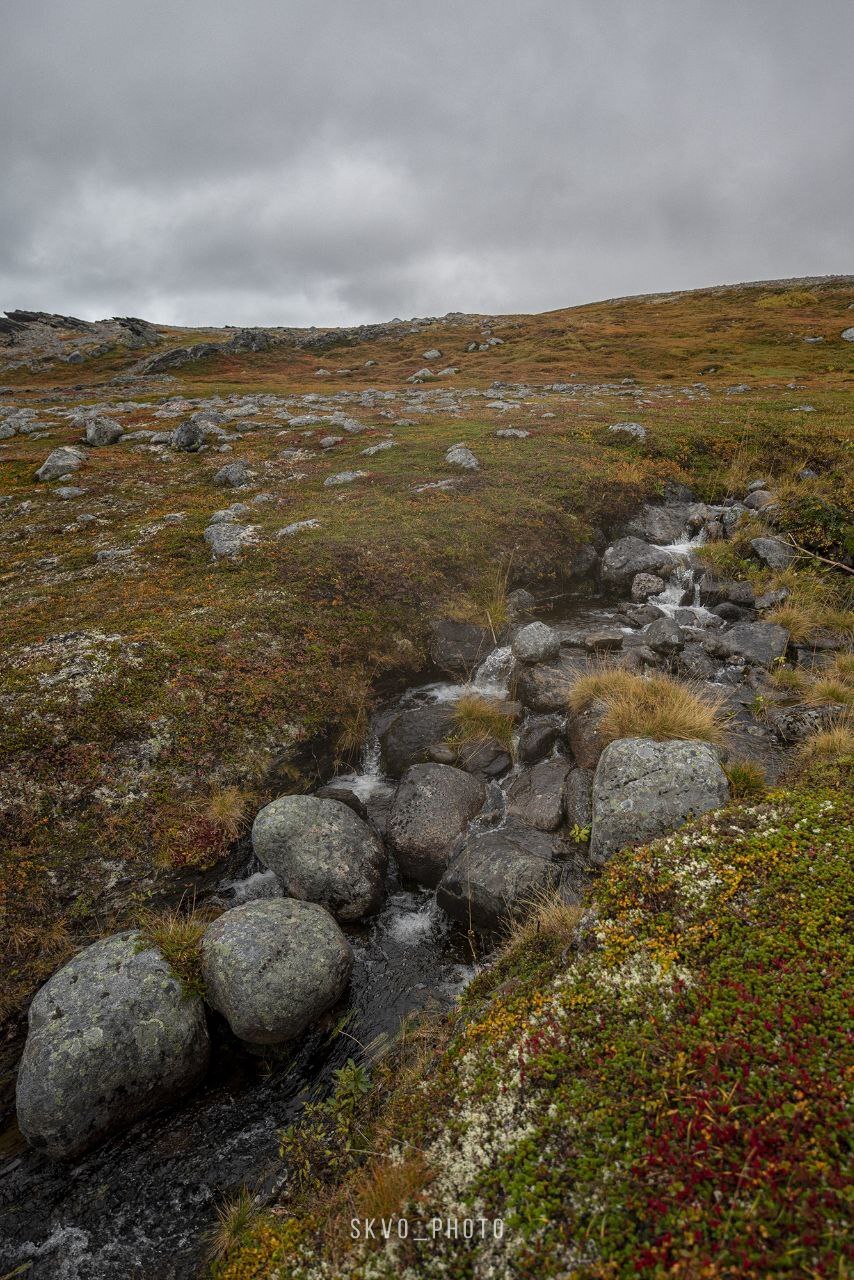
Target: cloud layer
338,161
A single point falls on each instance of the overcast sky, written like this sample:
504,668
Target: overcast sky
339,161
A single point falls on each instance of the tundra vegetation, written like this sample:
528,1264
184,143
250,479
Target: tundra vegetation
650,1083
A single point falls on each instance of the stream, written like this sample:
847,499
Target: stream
141,1205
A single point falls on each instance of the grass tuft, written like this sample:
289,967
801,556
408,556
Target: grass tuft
549,917
233,1220
477,719
178,937
655,706
746,780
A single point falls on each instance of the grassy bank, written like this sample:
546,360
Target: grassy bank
657,1086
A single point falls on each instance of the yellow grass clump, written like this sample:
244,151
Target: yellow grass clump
655,706
477,719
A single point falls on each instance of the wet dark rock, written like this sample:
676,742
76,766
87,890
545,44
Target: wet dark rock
606,640
640,615
638,657
273,966
458,647
695,663
630,556
772,599
112,1036
545,685
520,604
536,739
756,642
731,612
578,798
583,733
322,852
344,794
486,757
714,591
496,875
535,642
643,789
408,737
536,795
585,561
431,809
664,636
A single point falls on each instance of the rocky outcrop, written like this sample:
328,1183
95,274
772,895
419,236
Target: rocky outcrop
643,789
322,852
112,1036
273,966
431,809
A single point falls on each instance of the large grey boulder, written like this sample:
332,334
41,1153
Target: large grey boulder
188,437
59,463
273,966
112,1036
496,876
536,796
101,431
629,556
659,525
431,809
322,852
758,643
461,456
535,642
664,636
643,789
457,647
408,737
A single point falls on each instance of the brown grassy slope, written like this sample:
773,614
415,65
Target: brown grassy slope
183,679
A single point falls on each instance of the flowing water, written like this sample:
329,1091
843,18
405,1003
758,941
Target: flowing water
140,1206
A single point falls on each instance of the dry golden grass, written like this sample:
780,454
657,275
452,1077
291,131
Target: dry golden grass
384,1188
655,706
233,1219
746,779
477,719
815,604
548,917
834,743
226,811
178,937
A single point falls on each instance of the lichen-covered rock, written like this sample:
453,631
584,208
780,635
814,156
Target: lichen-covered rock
772,552
60,462
188,437
431,809
535,642
322,852
544,686
664,636
645,585
659,524
643,789
102,431
461,456
273,966
112,1036
497,875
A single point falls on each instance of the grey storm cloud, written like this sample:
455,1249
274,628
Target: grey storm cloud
338,161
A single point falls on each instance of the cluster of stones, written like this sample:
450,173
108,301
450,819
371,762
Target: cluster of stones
114,1034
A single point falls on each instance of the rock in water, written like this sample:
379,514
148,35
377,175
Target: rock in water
630,556
112,1036
407,738
432,807
643,789
536,795
497,875
457,647
273,966
536,642
322,852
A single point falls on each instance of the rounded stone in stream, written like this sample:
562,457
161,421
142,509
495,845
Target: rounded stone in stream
112,1036
536,795
409,736
322,852
643,789
630,556
535,642
457,647
272,967
432,807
